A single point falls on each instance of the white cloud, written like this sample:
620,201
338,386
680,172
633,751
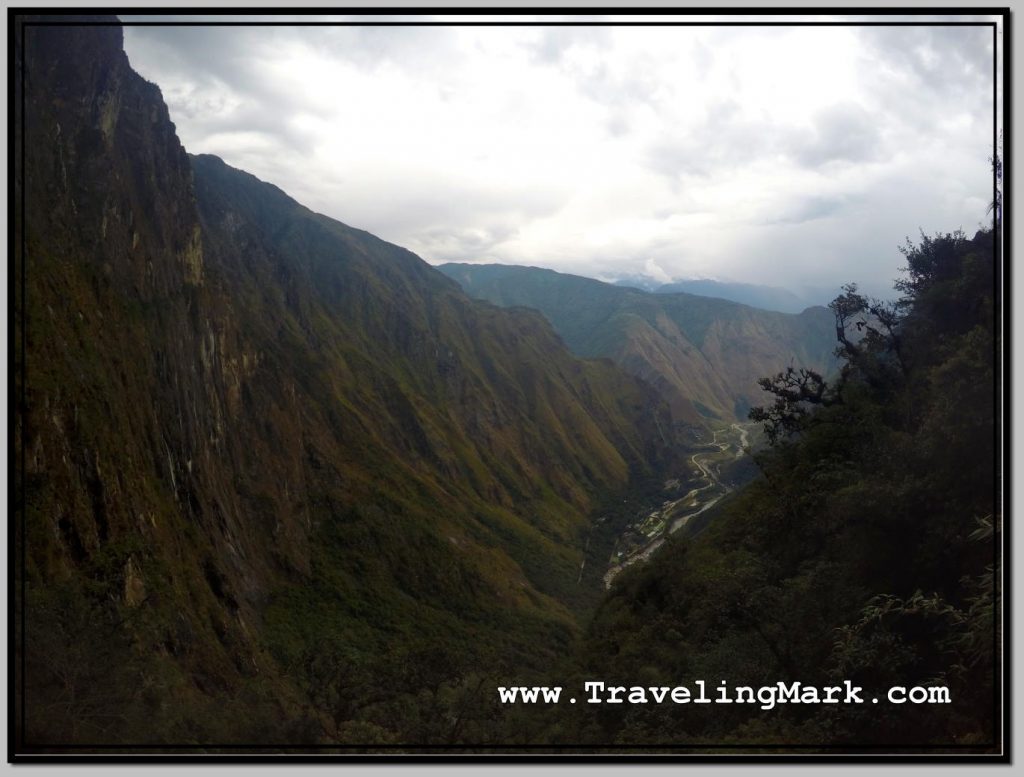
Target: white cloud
779,155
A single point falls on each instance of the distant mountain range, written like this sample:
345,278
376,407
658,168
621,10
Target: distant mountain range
704,355
755,295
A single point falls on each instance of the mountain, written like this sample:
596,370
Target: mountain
637,281
281,480
756,295
764,297
703,355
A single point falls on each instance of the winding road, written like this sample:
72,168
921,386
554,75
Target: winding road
713,490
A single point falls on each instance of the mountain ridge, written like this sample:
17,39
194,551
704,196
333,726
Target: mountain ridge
774,298
261,444
704,355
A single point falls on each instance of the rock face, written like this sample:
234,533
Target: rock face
254,436
705,356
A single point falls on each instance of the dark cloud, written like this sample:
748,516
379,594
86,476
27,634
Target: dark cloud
939,59
231,57
931,72
223,82
217,82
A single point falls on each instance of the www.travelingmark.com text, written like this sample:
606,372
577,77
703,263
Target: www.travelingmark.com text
767,696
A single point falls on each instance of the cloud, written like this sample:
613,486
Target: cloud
551,45
474,244
217,83
842,133
652,269
779,155
941,60
721,140
925,73
810,209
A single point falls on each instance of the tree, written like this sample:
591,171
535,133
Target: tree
796,393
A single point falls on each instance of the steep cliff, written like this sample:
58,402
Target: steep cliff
280,478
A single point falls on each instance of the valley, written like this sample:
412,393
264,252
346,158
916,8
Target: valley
703,356
706,486
282,481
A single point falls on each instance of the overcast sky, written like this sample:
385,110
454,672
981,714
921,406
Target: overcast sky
781,155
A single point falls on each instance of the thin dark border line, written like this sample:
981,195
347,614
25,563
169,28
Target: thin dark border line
513,758
535,11
510,24
983,757
12,400
996,345
12,248
24,397
675,746
533,756
536,750
1006,570
412,747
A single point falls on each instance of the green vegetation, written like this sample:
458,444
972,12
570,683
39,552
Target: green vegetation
704,356
864,553
286,452
289,485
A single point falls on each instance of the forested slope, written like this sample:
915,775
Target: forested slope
282,480
866,552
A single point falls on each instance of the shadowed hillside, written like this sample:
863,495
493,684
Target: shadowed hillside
868,551
280,475
705,356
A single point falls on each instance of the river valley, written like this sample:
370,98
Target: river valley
706,488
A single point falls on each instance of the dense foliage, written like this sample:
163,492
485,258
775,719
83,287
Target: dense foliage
866,552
